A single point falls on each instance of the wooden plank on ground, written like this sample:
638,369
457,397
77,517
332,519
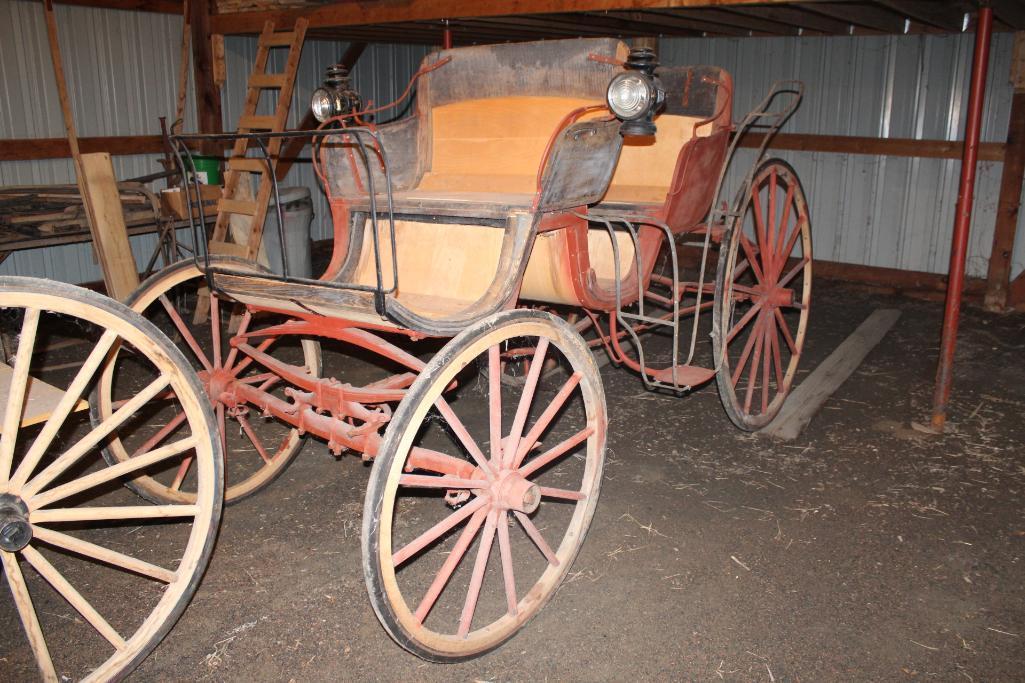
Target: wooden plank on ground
42,397
810,395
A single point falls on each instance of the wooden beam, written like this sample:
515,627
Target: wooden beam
852,144
897,281
948,16
57,148
363,13
864,16
1010,12
1000,292
813,392
208,95
293,147
797,17
110,235
158,6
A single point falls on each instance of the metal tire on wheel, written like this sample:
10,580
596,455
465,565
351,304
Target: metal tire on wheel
763,295
109,577
256,453
521,496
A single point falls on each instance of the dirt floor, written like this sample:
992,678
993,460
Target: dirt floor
866,550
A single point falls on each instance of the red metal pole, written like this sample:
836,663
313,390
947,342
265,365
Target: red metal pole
962,220
446,37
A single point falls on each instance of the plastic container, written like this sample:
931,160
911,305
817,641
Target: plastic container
208,169
297,214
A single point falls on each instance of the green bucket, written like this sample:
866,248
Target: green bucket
208,169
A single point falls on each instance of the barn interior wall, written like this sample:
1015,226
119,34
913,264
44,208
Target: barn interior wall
874,210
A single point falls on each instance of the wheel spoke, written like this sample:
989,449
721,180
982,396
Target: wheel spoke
771,232
257,444
760,236
752,258
752,377
464,436
773,334
437,531
495,402
785,280
557,451
113,472
786,331
106,555
243,326
745,354
757,306
87,442
545,418
64,407
527,397
564,494
427,482
477,578
445,573
783,230
164,432
215,327
185,332
766,360
537,538
784,254
508,575
17,392
222,429
179,476
74,598
27,612
94,514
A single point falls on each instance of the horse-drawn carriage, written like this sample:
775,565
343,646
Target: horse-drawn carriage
539,194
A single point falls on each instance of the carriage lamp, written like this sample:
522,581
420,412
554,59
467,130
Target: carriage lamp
636,95
336,96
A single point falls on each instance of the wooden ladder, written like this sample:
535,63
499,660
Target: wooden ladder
236,200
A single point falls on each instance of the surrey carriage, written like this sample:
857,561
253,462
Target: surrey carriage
544,206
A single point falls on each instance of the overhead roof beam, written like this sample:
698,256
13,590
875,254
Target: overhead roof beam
864,16
376,12
948,16
159,6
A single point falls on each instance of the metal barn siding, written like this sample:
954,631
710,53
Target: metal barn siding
896,212
122,71
381,74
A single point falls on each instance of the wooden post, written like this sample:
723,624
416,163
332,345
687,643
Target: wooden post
998,277
208,95
183,66
106,219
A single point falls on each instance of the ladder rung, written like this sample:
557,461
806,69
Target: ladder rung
251,165
268,80
241,206
253,122
277,39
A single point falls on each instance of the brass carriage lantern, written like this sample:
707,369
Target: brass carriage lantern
636,95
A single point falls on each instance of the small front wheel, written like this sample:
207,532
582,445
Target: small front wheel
469,463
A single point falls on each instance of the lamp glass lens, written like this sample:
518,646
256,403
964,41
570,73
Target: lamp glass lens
322,104
629,95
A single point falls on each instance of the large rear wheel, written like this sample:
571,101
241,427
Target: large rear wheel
97,576
763,295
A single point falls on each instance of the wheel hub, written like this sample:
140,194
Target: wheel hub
217,383
514,492
15,529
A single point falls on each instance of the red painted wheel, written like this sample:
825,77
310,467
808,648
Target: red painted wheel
458,475
516,359
257,451
763,294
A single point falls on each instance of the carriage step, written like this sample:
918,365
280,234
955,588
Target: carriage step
686,375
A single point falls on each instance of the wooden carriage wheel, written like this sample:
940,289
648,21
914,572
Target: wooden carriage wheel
516,359
435,498
763,295
257,451
91,595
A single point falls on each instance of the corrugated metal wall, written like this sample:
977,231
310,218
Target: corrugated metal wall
122,75
885,211
882,211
